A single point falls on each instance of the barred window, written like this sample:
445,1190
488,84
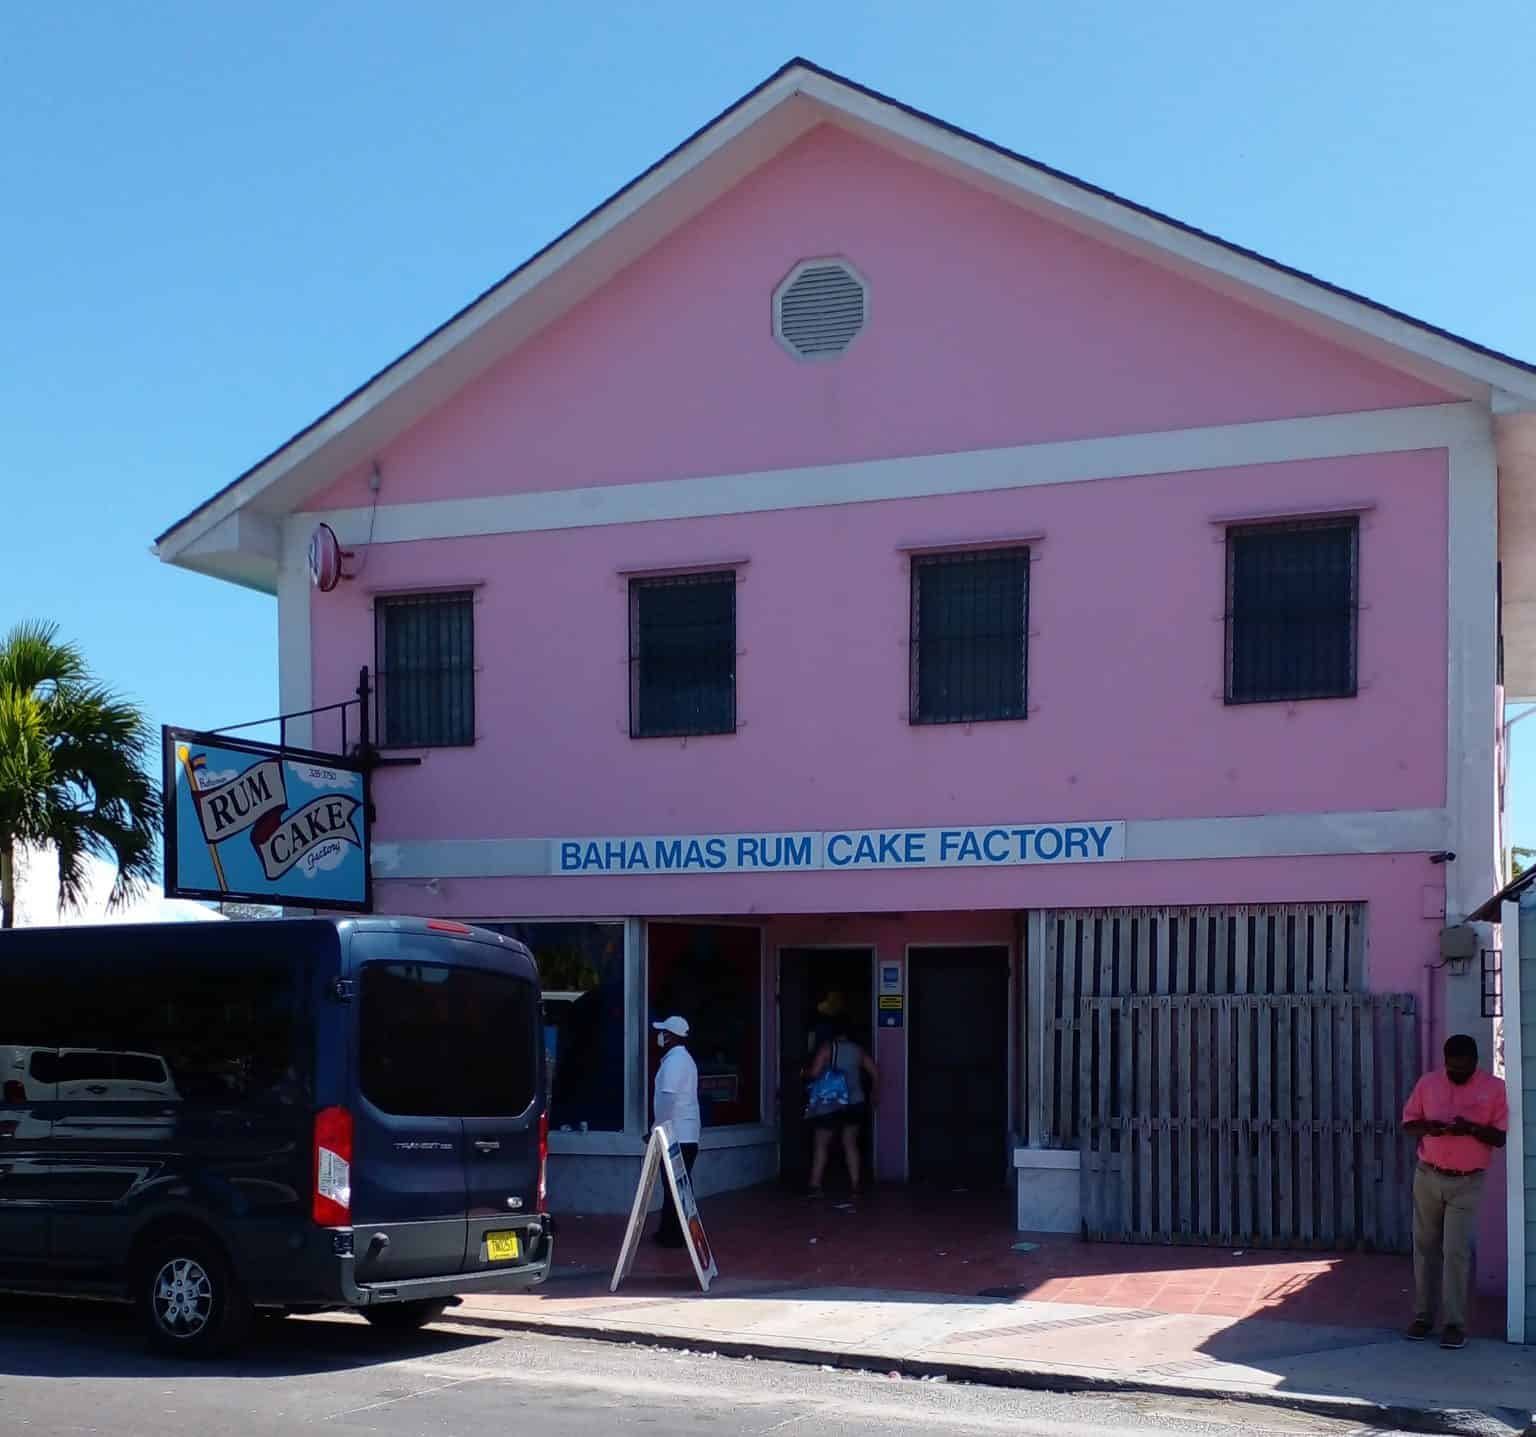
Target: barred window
425,646
682,655
1292,602
970,636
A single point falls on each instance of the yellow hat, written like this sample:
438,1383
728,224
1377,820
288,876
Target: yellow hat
832,1006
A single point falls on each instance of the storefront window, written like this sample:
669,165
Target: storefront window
581,970
712,976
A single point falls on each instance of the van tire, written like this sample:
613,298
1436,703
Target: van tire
404,1316
187,1299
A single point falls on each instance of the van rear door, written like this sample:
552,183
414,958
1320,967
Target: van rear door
503,1066
408,1195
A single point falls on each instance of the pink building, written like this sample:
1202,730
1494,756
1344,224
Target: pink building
859,560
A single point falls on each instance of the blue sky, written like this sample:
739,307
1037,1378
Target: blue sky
216,220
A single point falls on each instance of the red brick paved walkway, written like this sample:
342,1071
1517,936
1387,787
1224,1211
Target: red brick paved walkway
962,1244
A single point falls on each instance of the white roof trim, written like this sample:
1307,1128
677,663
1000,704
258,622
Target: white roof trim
694,175
485,310
1110,215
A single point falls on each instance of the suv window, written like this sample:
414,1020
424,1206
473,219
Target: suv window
44,1067
134,1068
212,1029
440,1041
90,1067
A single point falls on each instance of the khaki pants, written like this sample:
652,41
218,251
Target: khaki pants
1444,1222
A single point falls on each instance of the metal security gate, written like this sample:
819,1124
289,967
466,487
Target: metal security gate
1249,1121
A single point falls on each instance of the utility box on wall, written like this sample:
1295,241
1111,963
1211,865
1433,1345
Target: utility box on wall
1458,946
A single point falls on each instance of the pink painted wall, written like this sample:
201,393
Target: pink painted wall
1125,663
989,326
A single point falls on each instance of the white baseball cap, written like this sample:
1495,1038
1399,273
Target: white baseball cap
675,1025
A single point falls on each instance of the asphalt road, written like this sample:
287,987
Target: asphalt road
81,1368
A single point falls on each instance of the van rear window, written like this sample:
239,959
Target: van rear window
441,1041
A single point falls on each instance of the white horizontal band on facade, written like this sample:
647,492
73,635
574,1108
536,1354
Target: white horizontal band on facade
1285,835
1120,456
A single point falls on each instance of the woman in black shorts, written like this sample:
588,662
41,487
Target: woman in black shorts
862,1076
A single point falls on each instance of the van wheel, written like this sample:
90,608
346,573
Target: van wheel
404,1316
187,1299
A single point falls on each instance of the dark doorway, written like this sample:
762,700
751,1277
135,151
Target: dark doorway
806,977
957,1067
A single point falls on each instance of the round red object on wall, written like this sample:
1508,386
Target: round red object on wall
324,558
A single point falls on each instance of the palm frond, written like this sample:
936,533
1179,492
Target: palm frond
32,657
75,767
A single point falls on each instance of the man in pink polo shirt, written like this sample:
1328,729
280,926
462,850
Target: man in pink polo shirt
1460,1115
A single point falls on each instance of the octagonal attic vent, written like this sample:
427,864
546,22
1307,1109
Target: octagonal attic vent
820,308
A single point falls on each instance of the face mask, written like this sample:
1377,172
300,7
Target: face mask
661,1040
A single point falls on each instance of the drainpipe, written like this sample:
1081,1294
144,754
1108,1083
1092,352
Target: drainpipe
1427,1038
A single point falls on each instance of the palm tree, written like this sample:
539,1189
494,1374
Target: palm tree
72,770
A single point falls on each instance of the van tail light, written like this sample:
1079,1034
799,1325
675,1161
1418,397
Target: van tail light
543,1201
15,1092
333,1168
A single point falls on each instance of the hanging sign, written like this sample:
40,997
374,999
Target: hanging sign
264,824
663,1154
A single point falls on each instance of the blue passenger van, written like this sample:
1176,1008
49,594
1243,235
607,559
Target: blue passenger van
296,1115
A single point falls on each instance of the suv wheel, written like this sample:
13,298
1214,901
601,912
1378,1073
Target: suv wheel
404,1316
187,1298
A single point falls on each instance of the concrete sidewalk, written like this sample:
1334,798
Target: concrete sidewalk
929,1284
1369,1374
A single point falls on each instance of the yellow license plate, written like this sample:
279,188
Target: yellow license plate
501,1246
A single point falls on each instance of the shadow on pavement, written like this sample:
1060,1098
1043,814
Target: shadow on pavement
47,1337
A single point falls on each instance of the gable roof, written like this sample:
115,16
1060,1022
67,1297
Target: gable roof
233,533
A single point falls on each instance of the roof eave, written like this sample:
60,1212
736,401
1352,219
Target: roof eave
597,246
243,548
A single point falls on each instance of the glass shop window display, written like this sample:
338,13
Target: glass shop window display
581,972
711,974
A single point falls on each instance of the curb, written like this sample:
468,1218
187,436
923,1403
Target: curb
1440,1421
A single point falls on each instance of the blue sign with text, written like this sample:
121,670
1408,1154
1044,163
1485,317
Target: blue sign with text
995,846
264,824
